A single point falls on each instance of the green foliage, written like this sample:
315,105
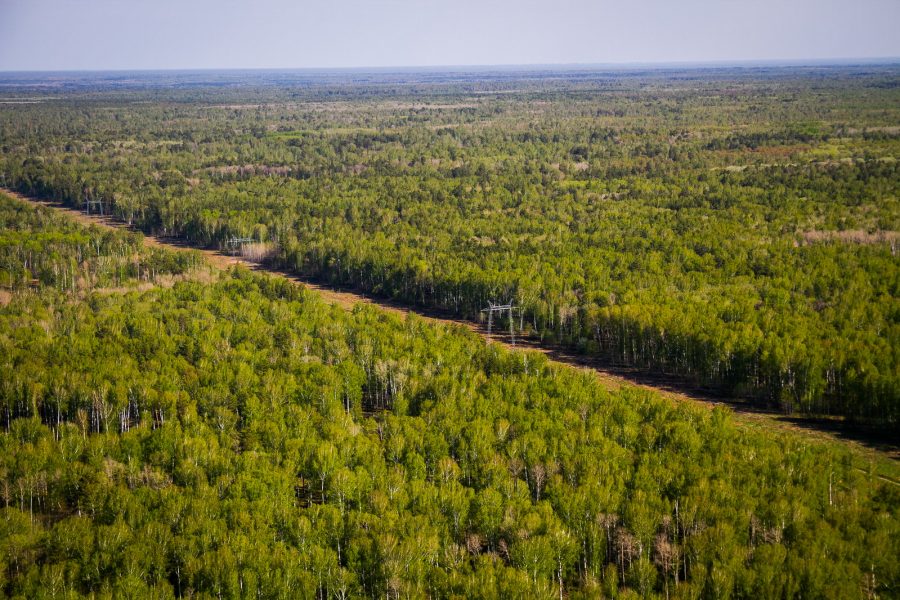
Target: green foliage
240,438
737,233
40,248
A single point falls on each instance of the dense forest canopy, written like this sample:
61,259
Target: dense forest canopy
734,228
171,432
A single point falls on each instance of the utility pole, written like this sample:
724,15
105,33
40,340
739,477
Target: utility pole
500,309
237,242
88,203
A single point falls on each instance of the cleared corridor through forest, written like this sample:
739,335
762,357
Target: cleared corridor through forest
876,445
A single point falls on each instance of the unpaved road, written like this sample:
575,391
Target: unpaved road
814,429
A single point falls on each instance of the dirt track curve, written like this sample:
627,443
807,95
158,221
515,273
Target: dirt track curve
613,378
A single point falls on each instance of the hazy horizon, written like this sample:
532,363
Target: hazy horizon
112,35
510,67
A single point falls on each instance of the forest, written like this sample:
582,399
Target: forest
735,230
171,431
170,428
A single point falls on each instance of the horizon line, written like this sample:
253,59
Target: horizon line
750,62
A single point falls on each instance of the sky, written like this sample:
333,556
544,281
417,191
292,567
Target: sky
202,34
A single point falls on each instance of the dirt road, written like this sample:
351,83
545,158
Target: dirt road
815,429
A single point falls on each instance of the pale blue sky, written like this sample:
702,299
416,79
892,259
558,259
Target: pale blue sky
167,34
